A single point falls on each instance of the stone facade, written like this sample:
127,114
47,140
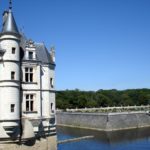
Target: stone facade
27,90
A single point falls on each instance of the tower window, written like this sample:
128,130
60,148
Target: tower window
29,102
12,75
12,108
51,82
30,55
28,74
13,50
52,108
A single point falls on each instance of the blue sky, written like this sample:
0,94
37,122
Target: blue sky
100,44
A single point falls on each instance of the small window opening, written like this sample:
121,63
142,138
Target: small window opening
52,108
51,82
12,107
13,50
12,75
30,55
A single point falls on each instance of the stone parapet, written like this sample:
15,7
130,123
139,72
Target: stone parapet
104,121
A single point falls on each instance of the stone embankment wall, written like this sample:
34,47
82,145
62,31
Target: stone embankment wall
104,121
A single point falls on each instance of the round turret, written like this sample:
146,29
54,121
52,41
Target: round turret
10,76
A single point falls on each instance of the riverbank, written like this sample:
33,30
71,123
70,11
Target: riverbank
104,121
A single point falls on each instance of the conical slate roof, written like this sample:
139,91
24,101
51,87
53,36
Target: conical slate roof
9,25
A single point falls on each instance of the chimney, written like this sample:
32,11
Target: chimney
52,53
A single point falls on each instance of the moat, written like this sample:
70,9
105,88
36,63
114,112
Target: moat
137,139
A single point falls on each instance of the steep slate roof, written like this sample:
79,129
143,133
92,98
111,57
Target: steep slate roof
42,53
10,25
23,41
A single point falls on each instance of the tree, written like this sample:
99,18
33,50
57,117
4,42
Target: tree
101,98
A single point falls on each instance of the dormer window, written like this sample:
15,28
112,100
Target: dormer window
13,50
30,55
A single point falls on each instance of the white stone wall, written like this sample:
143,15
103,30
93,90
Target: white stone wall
48,96
52,75
7,42
5,72
45,77
8,96
45,85
45,104
52,94
52,100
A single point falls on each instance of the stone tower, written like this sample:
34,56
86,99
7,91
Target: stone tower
10,75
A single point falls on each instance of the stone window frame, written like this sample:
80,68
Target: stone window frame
29,102
28,74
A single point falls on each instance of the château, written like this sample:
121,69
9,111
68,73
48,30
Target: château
27,89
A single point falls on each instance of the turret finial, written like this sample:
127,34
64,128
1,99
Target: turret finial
10,4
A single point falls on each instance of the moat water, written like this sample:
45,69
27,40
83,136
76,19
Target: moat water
138,139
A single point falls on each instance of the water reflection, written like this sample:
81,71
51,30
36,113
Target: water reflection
110,138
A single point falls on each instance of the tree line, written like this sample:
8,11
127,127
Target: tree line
101,98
